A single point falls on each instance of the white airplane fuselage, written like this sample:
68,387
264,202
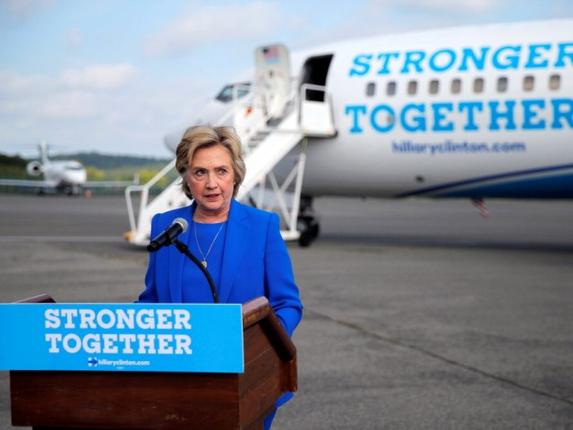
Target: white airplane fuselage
473,112
64,173
468,112
484,111
68,176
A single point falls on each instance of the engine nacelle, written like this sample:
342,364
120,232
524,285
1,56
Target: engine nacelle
34,168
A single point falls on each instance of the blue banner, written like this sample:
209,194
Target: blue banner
122,337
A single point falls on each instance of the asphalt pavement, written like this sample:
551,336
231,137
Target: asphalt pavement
418,314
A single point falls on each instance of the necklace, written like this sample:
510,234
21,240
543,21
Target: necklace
204,261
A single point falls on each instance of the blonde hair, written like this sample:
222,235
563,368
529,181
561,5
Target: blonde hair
199,137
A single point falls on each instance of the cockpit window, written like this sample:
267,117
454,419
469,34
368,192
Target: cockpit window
238,90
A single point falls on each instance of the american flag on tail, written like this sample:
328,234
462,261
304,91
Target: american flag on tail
271,54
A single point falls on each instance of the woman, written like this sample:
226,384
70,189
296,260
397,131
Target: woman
240,246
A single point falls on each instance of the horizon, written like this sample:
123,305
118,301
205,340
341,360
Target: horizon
58,155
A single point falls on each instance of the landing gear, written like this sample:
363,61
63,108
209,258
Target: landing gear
309,230
72,190
307,223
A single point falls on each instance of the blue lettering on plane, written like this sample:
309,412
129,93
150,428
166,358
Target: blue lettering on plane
467,59
464,115
495,115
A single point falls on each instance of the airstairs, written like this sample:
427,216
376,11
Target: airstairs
270,137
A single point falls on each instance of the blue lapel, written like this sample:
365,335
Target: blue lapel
235,240
176,260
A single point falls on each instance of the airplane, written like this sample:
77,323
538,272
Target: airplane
66,176
469,112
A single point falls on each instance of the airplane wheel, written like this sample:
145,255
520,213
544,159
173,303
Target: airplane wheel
309,230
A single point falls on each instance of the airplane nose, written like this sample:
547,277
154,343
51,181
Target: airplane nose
171,140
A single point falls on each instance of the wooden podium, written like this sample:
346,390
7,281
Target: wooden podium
153,401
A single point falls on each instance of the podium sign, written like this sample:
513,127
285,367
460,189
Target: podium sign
122,337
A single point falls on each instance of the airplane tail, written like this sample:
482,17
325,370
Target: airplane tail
43,148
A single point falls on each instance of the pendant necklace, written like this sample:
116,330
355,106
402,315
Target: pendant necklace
204,260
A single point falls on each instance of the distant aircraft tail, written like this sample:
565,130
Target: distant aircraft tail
43,147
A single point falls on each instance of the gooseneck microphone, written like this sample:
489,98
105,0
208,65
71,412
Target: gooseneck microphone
183,249
178,226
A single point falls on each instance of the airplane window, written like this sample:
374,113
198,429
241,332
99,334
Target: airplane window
456,86
226,94
243,89
528,83
391,88
554,82
434,86
371,89
478,85
412,87
502,84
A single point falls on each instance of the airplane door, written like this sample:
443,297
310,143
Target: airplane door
316,114
272,78
315,72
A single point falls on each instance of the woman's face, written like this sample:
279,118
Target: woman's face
211,179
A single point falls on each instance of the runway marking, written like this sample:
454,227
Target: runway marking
441,358
61,239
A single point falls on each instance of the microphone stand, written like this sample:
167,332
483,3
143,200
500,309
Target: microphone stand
183,249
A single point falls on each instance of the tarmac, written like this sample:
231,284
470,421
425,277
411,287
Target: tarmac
418,314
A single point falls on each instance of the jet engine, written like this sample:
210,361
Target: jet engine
34,168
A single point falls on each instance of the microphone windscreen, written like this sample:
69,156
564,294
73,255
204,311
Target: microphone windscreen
182,222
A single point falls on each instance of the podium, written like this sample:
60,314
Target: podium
50,400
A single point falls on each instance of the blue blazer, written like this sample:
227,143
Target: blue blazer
255,263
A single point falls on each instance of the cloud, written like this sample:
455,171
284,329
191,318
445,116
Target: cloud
442,6
76,93
99,77
74,38
130,119
23,9
560,8
41,97
476,6
17,83
71,105
211,24
376,17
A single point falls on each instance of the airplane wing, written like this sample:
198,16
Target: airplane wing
108,184
23,183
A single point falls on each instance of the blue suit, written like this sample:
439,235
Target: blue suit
255,263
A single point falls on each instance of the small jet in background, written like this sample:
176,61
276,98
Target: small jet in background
65,176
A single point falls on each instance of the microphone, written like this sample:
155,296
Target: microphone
178,226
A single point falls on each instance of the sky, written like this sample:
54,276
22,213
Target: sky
115,76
